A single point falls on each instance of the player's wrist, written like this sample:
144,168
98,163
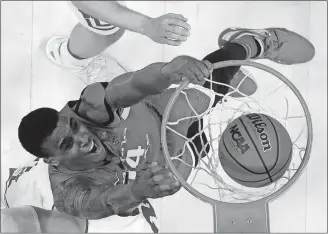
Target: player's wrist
146,26
166,71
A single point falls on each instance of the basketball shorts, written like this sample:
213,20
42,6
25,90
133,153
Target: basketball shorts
93,24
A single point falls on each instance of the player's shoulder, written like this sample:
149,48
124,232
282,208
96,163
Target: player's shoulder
94,106
94,94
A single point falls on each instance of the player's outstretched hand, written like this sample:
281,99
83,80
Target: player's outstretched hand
186,67
170,29
154,181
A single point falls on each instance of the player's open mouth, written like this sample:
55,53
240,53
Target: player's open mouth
93,147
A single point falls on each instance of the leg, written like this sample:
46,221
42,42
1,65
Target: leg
92,44
81,52
276,44
231,51
91,36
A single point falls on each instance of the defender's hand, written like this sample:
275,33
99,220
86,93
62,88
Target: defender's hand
185,67
154,181
170,29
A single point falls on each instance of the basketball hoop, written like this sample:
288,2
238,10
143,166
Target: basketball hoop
238,208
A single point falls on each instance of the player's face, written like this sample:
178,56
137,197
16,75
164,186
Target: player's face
73,146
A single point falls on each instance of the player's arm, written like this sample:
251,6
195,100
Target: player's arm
130,88
80,197
99,100
159,29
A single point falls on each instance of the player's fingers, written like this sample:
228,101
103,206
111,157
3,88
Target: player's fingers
209,65
197,75
178,22
158,178
197,71
162,176
167,193
168,41
176,78
174,36
158,169
177,16
152,168
177,30
168,186
165,189
203,68
170,192
189,74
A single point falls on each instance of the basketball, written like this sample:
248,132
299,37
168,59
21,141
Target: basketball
255,150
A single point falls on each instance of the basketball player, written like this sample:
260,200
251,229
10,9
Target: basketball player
33,181
104,150
102,23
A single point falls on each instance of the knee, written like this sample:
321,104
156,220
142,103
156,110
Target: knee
117,35
112,38
120,32
80,31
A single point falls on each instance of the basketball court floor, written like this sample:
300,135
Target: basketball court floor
30,81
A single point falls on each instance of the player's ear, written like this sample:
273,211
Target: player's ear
51,161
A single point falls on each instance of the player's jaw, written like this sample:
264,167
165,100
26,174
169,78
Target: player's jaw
73,146
93,148
89,146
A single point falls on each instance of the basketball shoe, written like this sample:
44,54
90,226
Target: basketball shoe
276,44
101,68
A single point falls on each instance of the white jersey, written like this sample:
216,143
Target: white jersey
30,185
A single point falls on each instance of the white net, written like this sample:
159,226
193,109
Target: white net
273,98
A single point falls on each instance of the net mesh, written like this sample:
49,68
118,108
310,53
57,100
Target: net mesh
273,98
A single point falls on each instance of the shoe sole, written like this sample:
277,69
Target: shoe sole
48,51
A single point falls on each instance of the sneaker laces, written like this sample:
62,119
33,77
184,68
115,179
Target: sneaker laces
272,43
93,69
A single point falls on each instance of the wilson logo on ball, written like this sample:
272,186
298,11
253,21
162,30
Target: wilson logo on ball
238,139
260,127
